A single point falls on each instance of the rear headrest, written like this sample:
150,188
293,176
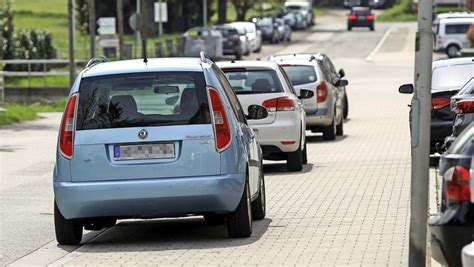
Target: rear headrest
261,85
189,102
126,103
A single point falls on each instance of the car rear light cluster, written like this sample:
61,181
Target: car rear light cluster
66,135
457,184
464,106
370,17
439,103
321,92
221,122
279,104
352,17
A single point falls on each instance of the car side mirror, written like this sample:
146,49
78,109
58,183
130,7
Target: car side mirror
342,83
305,94
342,73
406,89
257,112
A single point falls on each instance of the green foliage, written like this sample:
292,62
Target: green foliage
400,12
7,29
52,81
18,112
440,10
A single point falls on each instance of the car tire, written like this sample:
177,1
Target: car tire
68,232
329,132
452,50
214,219
294,162
340,128
238,56
239,222
259,204
372,28
305,154
345,111
349,28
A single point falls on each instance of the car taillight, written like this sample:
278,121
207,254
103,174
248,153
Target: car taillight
321,92
370,17
352,17
457,184
464,106
439,103
66,135
220,120
279,104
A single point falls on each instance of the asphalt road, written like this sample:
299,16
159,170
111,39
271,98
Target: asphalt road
376,141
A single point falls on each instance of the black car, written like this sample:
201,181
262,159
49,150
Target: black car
268,27
448,77
360,17
230,41
453,228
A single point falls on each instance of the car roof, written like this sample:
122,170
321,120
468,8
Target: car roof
306,56
251,64
455,15
452,61
456,20
137,66
296,61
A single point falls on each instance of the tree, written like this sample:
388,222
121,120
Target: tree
221,11
242,6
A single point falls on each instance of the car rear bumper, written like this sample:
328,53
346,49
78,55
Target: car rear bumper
281,130
322,117
439,131
361,23
448,240
149,198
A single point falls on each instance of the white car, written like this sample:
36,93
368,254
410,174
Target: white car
324,111
254,36
449,15
282,135
244,40
451,35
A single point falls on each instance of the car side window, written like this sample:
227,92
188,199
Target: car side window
234,101
325,71
287,80
331,72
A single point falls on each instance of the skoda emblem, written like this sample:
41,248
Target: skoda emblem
143,134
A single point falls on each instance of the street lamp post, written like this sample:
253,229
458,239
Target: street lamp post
204,13
72,66
420,139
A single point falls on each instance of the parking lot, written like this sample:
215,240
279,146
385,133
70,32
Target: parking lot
349,205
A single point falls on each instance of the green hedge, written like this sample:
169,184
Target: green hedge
399,12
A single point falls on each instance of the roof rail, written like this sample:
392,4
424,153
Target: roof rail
312,58
96,60
205,57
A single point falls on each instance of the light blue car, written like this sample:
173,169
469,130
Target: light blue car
162,138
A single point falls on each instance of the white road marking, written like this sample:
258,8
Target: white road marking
379,44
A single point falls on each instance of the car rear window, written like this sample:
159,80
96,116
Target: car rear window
253,81
451,77
299,74
142,99
360,11
227,31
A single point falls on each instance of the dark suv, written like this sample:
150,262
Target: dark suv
360,17
230,41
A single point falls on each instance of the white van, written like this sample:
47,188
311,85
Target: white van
450,15
451,35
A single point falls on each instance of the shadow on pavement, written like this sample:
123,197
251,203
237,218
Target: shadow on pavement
280,169
319,138
9,148
170,234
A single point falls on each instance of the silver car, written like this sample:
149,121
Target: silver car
324,111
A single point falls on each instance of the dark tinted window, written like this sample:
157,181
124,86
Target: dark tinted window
299,74
143,99
253,81
227,31
457,28
360,11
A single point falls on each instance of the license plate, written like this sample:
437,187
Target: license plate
144,151
361,18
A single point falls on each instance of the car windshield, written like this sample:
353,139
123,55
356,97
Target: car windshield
451,77
300,74
254,81
265,22
143,99
227,31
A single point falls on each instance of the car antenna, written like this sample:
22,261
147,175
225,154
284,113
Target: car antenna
145,59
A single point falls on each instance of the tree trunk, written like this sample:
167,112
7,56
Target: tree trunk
222,11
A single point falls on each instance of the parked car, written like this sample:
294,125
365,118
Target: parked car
269,32
282,135
448,77
284,31
324,111
453,228
450,15
450,35
351,3
156,139
462,104
254,36
232,45
361,17
378,4
289,17
304,8
206,39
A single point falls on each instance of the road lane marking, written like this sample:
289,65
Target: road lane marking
379,44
